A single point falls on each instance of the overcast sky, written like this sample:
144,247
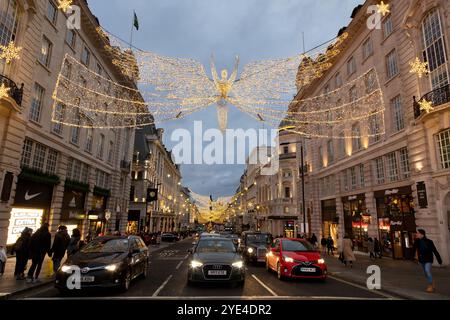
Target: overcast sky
252,29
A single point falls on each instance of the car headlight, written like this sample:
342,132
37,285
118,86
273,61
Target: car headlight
196,264
67,269
321,261
238,264
112,267
288,259
250,250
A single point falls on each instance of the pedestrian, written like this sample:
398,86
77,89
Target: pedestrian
60,244
39,246
377,248
347,250
330,245
371,248
426,250
22,251
3,258
323,243
74,244
313,240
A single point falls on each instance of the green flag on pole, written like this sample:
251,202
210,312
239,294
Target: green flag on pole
136,21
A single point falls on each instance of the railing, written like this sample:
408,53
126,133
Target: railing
290,155
15,92
437,97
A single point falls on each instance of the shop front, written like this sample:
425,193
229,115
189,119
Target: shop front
31,207
284,226
357,220
97,216
73,213
134,217
330,220
396,221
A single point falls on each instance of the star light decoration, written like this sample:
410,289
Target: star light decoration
383,8
4,91
426,106
64,5
418,67
10,52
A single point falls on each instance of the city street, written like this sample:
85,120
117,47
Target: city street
168,271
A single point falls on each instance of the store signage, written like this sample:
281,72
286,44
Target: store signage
422,195
22,218
31,194
92,217
396,223
73,205
351,198
391,192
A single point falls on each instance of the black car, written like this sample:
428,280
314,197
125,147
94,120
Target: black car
169,237
254,245
216,259
105,262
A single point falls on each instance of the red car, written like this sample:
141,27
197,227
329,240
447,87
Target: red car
295,258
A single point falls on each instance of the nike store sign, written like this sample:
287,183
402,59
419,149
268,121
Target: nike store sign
31,194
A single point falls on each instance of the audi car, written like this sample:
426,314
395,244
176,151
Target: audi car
295,258
254,246
105,262
215,259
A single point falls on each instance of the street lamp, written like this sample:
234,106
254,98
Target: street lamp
302,171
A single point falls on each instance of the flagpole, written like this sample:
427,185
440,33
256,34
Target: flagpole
132,27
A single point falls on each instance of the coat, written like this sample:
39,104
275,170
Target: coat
348,250
74,246
371,246
425,249
22,244
60,244
40,242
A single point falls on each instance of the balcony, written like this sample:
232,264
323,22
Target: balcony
437,97
286,156
15,92
125,165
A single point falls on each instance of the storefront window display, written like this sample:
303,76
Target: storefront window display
356,221
330,220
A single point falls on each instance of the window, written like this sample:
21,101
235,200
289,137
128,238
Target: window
345,180
371,81
77,171
392,167
444,148
8,24
287,173
351,66
285,149
320,157
356,142
379,167
375,127
367,48
89,139
391,64
39,157
397,114
388,27
86,56
46,52
330,150
404,163
102,179
52,12
111,152
287,192
101,146
71,37
75,131
362,178
99,69
353,94
341,145
353,178
67,69
338,80
58,116
36,103
434,49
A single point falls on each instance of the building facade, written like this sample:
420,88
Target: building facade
49,172
387,186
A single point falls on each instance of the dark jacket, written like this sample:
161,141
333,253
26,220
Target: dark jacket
74,245
40,242
323,242
60,244
425,249
22,244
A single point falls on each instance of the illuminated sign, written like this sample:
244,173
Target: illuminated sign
21,219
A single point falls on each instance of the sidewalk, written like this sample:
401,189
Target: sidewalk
398,277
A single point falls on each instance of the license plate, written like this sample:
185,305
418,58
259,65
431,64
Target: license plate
307,270
217,272
87,279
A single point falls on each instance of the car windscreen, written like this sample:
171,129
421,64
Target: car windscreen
258,239
297,246
106,246
215,245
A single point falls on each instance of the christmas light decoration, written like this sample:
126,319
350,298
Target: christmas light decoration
418,67
4,91
64,4
10,52
426,106
383,8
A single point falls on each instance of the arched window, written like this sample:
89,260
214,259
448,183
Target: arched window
8,24
434,49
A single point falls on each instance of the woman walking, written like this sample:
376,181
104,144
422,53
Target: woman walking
371,248
22,250
349,256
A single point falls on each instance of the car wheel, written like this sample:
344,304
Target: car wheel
126,281
279,275
145,271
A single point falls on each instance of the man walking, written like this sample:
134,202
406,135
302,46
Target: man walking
426,251
39,246
60,244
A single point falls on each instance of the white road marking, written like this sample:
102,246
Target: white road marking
162,286
364,288
179,265
265,286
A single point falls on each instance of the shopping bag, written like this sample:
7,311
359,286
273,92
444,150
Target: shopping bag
50,268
